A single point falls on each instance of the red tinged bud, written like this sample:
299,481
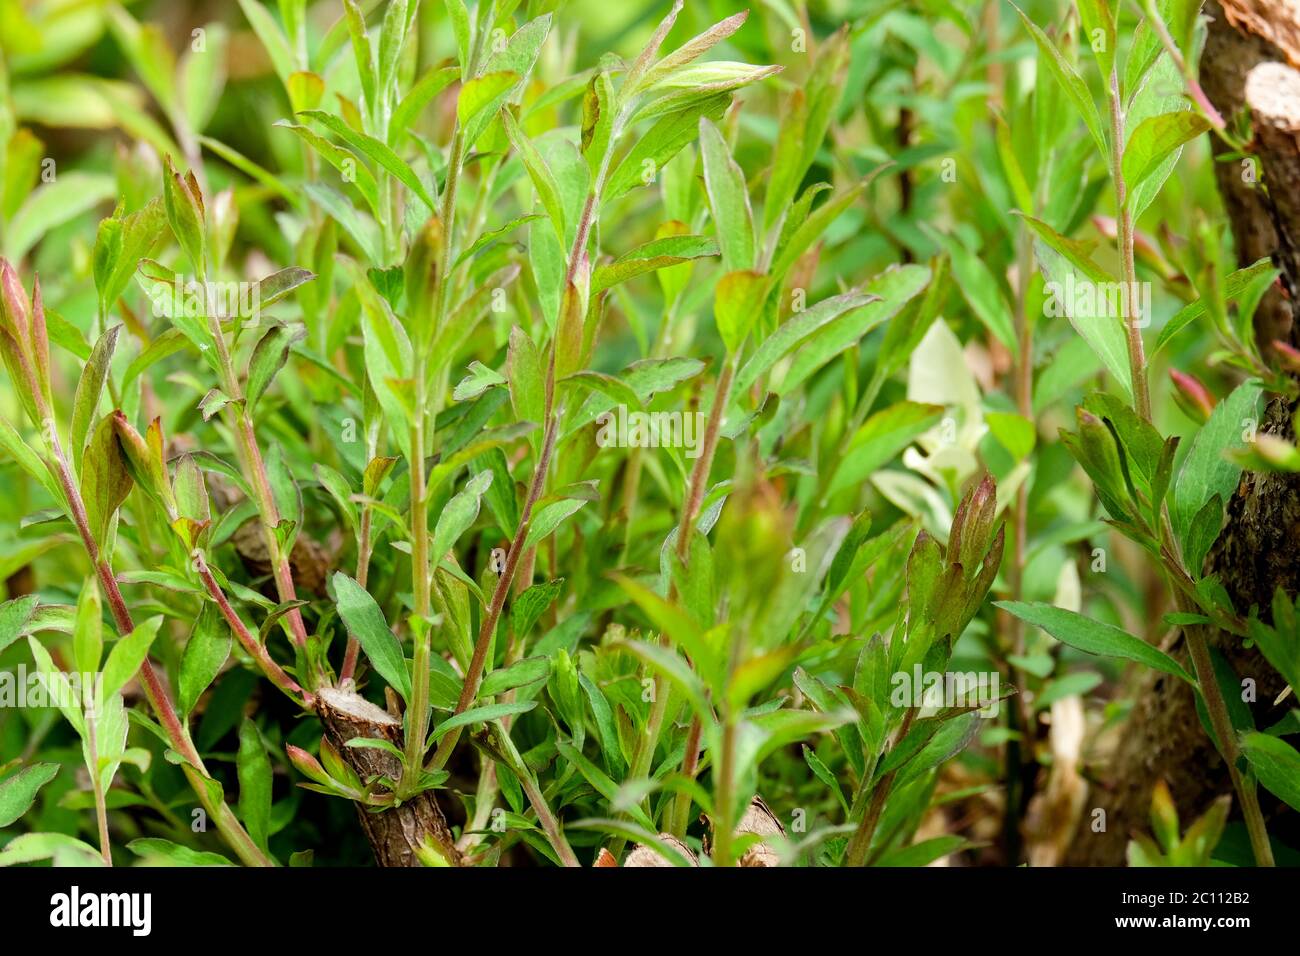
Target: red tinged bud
308,765
15,302
24,343
40,340
1192,397
972,526
1288,356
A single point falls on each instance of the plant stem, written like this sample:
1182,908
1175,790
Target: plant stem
1217,708
1194,89
363,573
546,819
97,787
418,712
680,817
254,468
474,675
1197,646
1124,215
255,648
1016,797
177,736
860,844
695,491
724,795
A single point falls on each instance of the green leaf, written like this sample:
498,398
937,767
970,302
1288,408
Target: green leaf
269,356
1154,140
530,670
674,669
738,301
1207,471
33,847
787,160
354,172
120,243
1099,32
1233,286
23,455
691,50
1016,433
550,517
418,97
87,629
1066,266
733,218
1071,82
14,616
271,37
174,854
365,621
655,254
824,774
981,291
185,214
128,654
539,173
813,228
251,169
527,608
481,92
478,381
603,785
90,386
205,654
881,437
18,791
1277,765
680,627
362,54
478,715
517,57
379,152
664,140
1095,637
459,514
392,36
458,13
254,770
72,194
796,331
490,237
524,370
360,227
692,84
923,853
389,357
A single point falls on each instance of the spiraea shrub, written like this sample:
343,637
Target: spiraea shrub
518,432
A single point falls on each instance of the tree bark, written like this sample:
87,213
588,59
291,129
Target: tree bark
396,834
1251,52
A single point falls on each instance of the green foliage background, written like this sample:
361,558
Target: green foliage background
784,624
